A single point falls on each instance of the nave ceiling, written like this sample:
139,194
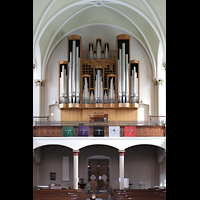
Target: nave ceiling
55,19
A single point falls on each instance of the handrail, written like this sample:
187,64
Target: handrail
155,121
39,117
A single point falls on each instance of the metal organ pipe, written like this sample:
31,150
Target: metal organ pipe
73,70
119,78
77,76
70,78
85,91
127,80
74,73
123,76
134,86
112,91
123,72
98,86
63,85
105,97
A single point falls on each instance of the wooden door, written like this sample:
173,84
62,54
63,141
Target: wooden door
100,169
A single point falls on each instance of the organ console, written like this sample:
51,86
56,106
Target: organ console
99,77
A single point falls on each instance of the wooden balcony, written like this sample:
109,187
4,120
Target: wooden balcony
140,131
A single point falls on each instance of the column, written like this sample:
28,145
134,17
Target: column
121,169
39,97
159,97
75,174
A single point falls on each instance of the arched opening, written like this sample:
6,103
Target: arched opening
53,167
145,166
102,155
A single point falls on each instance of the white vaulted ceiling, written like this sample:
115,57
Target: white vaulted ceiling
54,19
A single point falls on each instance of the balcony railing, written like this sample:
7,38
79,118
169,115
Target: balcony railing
154,121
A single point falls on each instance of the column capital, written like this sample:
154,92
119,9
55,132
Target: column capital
158,81
76,152
164,65
39,82
121,152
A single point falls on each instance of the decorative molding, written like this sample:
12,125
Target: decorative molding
158,81
164,65
39,82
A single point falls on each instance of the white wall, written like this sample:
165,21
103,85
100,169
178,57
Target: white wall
51,161
108,34
141,164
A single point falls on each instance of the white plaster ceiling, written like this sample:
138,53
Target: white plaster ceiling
54,19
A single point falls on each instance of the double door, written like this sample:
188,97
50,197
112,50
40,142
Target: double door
98,170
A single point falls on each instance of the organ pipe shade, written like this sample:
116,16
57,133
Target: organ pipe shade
74,71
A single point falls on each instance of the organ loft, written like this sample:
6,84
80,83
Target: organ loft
99,78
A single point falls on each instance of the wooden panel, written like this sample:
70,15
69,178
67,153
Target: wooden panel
150,131
47,131
114,114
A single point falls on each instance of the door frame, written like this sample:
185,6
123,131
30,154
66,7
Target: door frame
100,157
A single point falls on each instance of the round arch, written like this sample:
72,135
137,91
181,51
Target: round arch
153,145
121,143
51,48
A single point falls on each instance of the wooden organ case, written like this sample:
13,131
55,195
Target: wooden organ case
99,78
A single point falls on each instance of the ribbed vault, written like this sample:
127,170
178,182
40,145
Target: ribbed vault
55,19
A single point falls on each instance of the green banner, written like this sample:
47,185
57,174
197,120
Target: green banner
68,131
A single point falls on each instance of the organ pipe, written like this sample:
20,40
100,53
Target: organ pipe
112,91
119,78
77,76
98,86
98,50
92,97
123,72
134,86
70,78
105,97
74,72
106,52
63,84
127,80
85,91
123,75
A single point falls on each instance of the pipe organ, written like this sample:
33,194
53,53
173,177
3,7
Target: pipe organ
99,77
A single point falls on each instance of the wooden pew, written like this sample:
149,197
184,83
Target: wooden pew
140,194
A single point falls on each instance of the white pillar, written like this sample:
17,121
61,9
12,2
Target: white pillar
159,94
121,169
75,174
39,97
